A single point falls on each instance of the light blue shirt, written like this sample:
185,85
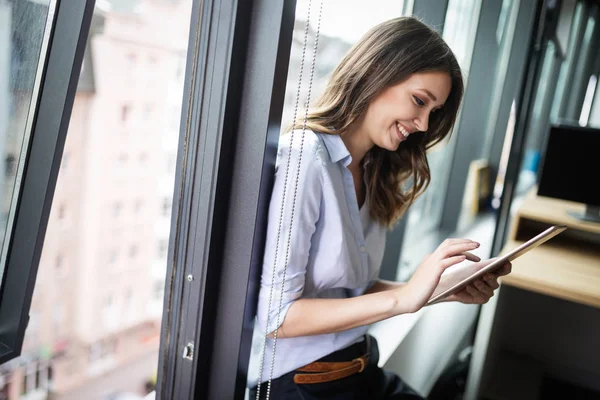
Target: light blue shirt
335,249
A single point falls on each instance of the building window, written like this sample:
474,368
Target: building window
125,113
148,110
159,290
59,262
112,256
180,67
65,161
61,211
138,206
133,251
163,248
143,158
131,60
59,319
95,352
166,207
117,209
32,329
11,163
171,162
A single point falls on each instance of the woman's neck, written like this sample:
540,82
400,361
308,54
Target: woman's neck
358,143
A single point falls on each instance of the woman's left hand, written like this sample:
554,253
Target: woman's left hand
480,291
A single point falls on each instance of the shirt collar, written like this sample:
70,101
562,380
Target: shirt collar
337,149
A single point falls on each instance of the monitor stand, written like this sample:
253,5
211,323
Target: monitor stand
591,214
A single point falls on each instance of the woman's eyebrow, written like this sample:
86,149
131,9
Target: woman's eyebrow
428,93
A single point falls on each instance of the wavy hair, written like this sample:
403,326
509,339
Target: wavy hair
385,56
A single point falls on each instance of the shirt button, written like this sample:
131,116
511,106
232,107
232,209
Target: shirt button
363,249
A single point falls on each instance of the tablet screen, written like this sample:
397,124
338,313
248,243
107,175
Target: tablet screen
456,279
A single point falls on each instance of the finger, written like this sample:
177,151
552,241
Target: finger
478,297
471,256
491,281
450,261
504,270
452,241
456,249
483,288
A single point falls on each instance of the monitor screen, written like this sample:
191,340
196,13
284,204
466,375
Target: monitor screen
571,165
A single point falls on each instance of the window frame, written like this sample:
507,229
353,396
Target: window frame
233,100
66,46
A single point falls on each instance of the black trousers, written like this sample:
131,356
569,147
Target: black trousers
371,384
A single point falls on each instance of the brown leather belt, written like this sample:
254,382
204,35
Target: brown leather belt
319,371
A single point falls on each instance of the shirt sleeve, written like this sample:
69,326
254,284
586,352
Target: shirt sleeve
289,239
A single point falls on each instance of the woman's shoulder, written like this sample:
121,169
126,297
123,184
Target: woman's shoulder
300,141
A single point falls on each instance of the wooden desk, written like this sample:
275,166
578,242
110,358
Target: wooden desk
544,320
567,266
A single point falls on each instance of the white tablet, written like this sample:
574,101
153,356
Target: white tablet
500,261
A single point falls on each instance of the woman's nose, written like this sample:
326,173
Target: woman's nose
422,122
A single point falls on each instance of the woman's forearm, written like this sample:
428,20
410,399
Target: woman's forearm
320,316
383,285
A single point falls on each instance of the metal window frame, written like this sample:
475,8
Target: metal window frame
477,97
535,14
49,129
233,100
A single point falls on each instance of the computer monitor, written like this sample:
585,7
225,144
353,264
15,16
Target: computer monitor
571,168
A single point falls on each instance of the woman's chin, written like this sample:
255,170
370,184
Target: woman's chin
394,145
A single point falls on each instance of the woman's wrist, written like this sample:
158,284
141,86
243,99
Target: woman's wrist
404,300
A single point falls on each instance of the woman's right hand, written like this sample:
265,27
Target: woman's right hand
418,290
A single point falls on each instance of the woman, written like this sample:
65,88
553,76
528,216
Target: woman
362,164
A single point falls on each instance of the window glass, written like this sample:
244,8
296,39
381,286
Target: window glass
424,216
343,23
25,29
97,305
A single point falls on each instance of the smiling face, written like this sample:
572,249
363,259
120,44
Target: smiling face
404,109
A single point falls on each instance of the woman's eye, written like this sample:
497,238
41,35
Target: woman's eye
420,102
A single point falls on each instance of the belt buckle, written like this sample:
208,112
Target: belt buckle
362,364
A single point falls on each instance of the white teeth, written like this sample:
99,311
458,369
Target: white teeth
402,130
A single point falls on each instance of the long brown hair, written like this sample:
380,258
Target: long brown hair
387,55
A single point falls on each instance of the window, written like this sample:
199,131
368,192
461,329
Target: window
159,290
58,319
66,158
137,207
49,39
163,247
166,207
131,60
39,41
10,164
180,66
171,163
148,110
125,113
116,209
113,255
61,211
